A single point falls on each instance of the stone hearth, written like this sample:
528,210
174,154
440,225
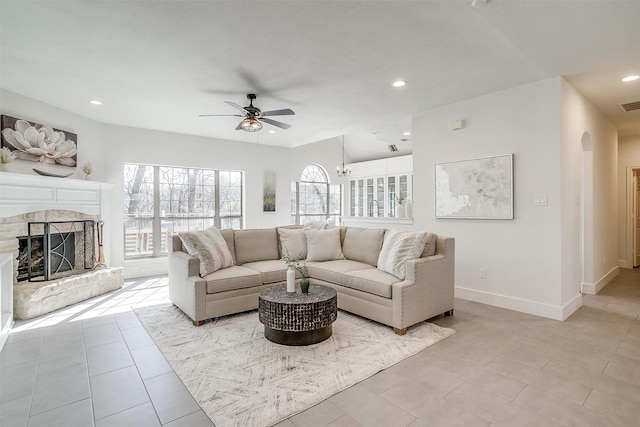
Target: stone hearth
33,299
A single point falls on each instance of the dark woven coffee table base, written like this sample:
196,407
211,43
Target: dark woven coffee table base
297,318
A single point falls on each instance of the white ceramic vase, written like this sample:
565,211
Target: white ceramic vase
291,280
408,209
400,211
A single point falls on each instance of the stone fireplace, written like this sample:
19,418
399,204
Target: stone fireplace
28,206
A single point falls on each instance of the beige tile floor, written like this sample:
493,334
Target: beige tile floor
93,364
504,368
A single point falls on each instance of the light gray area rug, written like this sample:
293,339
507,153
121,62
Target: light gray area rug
239,378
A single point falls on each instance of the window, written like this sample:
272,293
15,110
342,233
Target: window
313,198
376,196
163,200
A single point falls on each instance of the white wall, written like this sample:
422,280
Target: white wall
90,133
521,256
534,262
589,150
628,157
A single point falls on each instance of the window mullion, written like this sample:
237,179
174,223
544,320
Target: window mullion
155,224
217,216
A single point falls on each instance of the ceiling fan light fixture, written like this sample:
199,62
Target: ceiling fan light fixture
250,124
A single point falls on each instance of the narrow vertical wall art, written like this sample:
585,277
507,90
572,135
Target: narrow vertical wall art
269,192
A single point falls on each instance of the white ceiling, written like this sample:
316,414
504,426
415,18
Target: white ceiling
159,64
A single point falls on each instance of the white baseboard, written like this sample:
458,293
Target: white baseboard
594,288
623,263
134,269
517,304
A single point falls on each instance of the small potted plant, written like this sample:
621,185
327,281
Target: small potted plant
300,267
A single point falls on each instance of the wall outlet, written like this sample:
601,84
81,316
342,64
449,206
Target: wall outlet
483,273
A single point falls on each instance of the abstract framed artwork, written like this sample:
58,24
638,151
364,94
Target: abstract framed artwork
269,192
475,189
39,143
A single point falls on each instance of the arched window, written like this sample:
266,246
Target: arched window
314,198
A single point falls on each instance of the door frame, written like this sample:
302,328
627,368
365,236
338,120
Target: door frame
630,226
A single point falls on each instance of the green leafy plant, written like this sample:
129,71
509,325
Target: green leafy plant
399,199
296,264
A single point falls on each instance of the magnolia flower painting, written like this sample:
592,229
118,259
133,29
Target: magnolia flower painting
39,143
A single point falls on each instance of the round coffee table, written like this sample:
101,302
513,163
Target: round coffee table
297,318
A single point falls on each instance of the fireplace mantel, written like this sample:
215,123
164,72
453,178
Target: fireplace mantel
20,194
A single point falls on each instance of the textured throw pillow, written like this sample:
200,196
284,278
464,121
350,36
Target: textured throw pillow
430,245
399,247
209,247
316,225
293,243
323,245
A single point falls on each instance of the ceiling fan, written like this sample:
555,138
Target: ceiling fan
253,116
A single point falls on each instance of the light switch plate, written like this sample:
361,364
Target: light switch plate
540,200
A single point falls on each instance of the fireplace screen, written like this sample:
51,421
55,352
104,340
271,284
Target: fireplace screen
56,249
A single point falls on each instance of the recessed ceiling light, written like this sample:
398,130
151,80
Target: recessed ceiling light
399,83
406,133
272,131
95,102
631,78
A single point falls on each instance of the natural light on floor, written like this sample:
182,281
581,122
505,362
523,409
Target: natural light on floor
134,293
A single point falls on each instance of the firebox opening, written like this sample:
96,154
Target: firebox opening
56,249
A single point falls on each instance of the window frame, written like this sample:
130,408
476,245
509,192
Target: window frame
157,218
297,216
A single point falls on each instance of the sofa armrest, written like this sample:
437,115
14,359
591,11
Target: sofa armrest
187,290
428,288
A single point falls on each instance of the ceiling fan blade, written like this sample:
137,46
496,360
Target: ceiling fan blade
275,123
220,115
234,105
283,112
238,127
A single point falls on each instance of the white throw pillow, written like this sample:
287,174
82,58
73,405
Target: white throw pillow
399,247
293,243
209,247
323,245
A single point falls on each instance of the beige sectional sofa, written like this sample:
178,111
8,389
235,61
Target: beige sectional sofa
421,290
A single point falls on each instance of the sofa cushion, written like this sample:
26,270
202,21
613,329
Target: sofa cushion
256,245
323,245
430,245
363,244
209,247
398,248
272,271
236,277
293,243
370,280
332,271
227,233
